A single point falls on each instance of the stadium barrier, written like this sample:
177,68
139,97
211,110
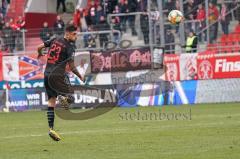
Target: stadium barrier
202,66
177,93
190,79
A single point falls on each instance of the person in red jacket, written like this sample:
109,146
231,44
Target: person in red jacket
225,18
77,18
201,17
12,24
213,15
14,27
21,23
19,27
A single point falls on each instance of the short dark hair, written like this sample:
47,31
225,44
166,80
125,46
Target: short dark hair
71,28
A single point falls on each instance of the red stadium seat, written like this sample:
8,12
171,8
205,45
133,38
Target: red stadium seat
234,37
223,48
209,52
211,47
231,38
237,29
236,48
224,38
238,39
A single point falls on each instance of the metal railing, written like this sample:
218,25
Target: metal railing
109,33
16,40
80,41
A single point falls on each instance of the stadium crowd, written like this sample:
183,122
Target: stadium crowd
11,29
94,18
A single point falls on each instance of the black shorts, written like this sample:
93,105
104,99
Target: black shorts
57,85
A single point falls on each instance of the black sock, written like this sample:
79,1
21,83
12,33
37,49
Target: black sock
50,116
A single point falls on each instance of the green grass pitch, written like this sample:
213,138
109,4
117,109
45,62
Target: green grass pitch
205,132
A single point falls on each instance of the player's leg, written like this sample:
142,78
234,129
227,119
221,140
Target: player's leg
66,92
51,110
51,115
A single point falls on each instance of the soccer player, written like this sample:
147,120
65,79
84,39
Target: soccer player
61,52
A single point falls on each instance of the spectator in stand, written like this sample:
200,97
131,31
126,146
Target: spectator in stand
145,27
191,43
12,24
91,39
20,23
224,18
169,5
59,2
5,4
93,15
90,14
117,11
110,5
103,25
116,26
189,9
99,13
77,18
19,32
83,22
59,26
169,40
213,15
191,24
8,38
142,5
14,27
123,5
177,5
46,32
201,24
2,22
132,7
237,11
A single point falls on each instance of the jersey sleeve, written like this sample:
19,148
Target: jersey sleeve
49,42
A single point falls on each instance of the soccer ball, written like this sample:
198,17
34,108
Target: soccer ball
175,17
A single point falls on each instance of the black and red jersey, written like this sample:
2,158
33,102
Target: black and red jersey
60,52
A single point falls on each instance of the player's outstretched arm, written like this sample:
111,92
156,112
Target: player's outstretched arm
75,71
39,49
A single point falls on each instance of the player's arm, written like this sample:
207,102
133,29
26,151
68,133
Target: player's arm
74,70
39,50
44,45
